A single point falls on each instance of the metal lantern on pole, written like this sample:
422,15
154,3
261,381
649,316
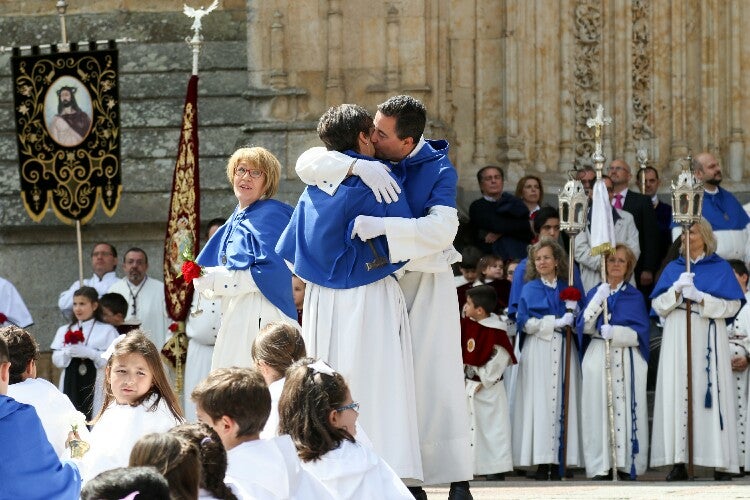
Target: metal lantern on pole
573,203
687,204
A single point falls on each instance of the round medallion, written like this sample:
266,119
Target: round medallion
470,345
82,369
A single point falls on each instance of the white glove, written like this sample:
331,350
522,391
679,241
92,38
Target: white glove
82,351
367,227
685,280
566,320
602,292
606,331
692,293
375,175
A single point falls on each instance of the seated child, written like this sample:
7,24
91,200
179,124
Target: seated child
138,401
317,411
214,481
236,402
276,347
121,483
114,311
29,467
175,457
53,407
487,351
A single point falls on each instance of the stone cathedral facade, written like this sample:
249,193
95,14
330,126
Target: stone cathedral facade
507,82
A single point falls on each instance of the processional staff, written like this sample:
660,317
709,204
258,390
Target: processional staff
642,156
603,243
687,204
572,202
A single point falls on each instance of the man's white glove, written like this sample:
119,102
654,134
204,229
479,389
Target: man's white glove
606,331
685,280
82,351
601,294
566,320
692,293
375,175
367,227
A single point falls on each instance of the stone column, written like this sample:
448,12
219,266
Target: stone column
334,89
736,138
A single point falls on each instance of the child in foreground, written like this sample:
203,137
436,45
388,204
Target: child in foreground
317,411
138,400
486,352
236,403
277,346
175,457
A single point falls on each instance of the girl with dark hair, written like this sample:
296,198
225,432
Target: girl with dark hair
316,409
77,349
213,458
175,457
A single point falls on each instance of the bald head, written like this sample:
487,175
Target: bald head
707,169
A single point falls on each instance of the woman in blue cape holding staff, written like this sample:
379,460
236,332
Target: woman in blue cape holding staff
241,266
715,296
628,330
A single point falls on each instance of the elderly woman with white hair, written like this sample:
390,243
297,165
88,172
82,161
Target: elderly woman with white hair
715,296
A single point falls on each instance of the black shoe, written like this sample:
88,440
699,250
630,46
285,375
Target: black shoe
542,473
459,491
678,473
624,476
554,472
603,477
417,492
500,476
722,476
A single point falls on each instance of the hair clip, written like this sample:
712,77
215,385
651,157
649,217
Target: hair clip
321,366
111,349
131,496
206,440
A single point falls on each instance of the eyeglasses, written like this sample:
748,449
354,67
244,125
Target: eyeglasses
241,171
351,406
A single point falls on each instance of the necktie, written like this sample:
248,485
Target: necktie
618,201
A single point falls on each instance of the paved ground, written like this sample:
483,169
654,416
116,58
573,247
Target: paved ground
652,487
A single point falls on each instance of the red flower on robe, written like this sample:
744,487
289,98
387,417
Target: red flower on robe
73,337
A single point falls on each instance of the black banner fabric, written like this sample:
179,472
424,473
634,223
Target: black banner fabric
67,111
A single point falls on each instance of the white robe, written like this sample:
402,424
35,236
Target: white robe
201,331
594,416
539,393
12,305
97,335
488,410
54,408
270,468
364,334
739,345
355,472
244,311
117,431
712,446
151,308
102,286
271,429
591,265
429,289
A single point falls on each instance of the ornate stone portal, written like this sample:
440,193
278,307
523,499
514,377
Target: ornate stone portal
512,82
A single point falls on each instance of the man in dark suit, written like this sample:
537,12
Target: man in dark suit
640,207
663,210
501,220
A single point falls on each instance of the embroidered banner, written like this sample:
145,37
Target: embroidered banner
183,223
68,132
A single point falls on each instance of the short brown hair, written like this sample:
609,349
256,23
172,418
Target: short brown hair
239,393
557,252
483,296
22,348
522,181
263,160
278,345
629,256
